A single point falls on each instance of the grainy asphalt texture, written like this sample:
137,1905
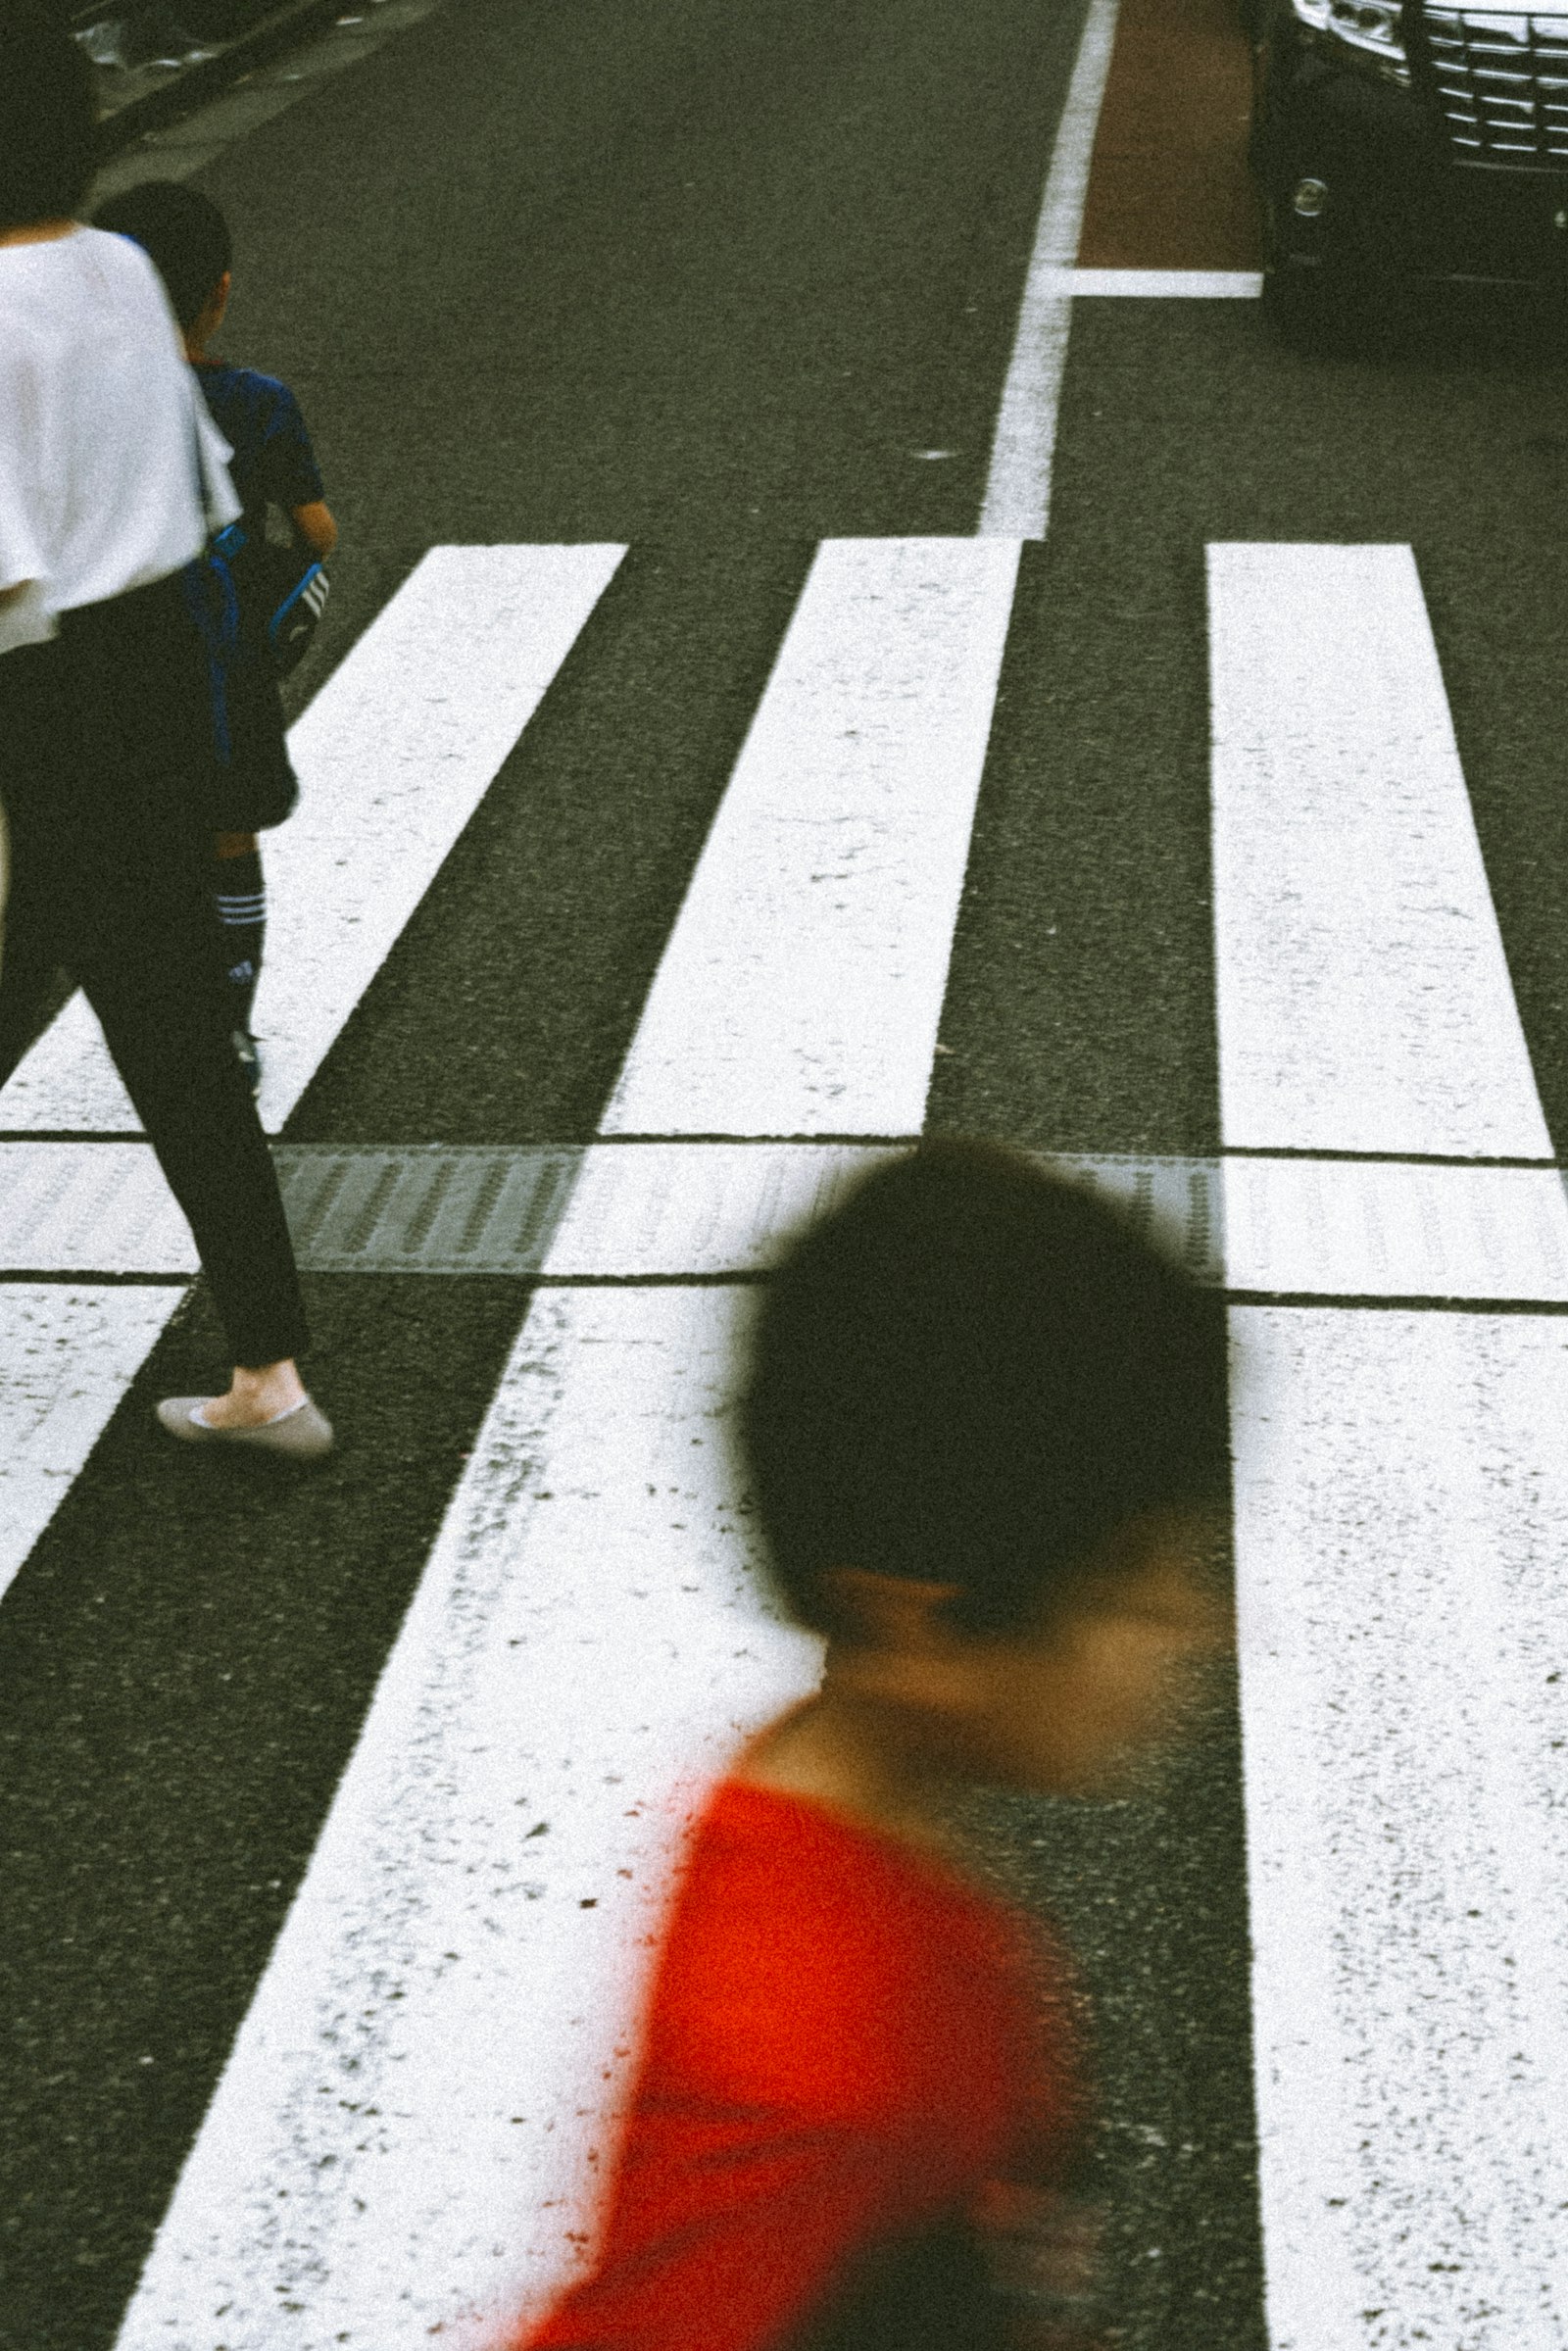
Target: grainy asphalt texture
713,280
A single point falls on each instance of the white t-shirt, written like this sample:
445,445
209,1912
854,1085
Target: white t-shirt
101,419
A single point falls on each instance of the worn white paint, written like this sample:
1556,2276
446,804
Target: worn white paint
1401,1523
424,2091
1166,285
69,1353
1402,1489
89,1208
800,989
1332,1228
393,754
1017,493
1364,1000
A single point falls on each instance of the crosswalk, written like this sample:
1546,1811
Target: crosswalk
418,2107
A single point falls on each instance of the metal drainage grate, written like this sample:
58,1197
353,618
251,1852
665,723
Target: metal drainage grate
424,1208
661,1208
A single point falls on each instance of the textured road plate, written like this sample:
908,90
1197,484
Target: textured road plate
631,1211
671,1211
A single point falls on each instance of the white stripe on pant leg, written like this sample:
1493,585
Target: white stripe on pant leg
424,2094
1401,1520
1364,996
393,754
800,988
68,1353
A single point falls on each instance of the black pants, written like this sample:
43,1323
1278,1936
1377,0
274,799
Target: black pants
105,746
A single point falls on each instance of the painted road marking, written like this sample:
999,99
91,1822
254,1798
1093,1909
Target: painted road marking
659,1210
69,1353
1401,1504
1364,996
1402,1519
393,754
408,2129
1163,285
551,1644
1017,493
800,988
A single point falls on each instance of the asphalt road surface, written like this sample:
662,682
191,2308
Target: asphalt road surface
1211,831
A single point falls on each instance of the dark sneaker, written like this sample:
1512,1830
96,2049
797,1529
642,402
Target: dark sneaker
248,1054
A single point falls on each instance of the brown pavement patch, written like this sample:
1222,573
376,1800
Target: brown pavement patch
1169,187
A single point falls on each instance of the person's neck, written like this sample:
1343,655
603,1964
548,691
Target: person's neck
853,1756
38,232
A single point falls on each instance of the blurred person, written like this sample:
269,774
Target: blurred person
272,465
987,1430
110,473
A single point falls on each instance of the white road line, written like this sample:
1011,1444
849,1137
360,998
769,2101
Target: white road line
69,1353
800,991
1401,1494
588,1610
1403,1514
657,1210
1163,285
1364,998
1017,493
408,2134
88,1207
1327,1228
394,755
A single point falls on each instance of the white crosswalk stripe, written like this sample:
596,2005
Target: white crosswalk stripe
69,1354
867,750
1364,1002
393,754
429,2074
1400,1493
801,986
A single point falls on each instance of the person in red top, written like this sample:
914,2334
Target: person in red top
986,1431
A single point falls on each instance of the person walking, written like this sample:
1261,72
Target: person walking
111,476
986,1430
273,466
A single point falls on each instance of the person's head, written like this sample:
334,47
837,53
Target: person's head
48,118
186,238
987,1428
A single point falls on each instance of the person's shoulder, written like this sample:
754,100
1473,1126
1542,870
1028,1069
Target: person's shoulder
118,261
65,296
811,1967
261,394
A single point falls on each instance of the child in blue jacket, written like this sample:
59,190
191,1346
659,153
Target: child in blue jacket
188,240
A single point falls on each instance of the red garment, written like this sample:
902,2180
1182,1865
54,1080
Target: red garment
846,2043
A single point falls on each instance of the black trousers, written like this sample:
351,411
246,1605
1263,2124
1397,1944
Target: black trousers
105,752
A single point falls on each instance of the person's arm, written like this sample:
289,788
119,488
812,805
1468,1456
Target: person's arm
314,525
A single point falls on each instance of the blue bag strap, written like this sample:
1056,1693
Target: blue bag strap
210,593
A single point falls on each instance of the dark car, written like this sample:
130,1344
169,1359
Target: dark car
1405,139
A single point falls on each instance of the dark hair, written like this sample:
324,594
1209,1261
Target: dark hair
184,236
48,118
973,1372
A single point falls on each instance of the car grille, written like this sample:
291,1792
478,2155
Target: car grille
1502,82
